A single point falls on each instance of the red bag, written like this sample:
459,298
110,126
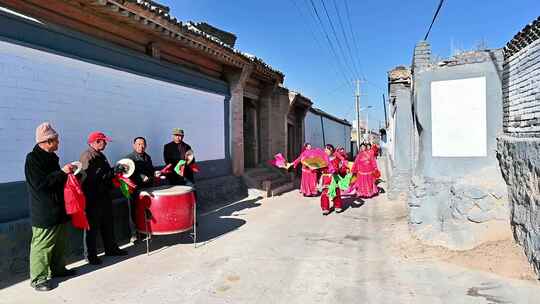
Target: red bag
376,173
75,202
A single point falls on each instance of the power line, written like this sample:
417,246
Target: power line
346,39
337,38
321,45
318,17
434,17
355,44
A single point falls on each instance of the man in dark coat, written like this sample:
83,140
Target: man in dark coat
143,177
45,181
97,186
175,151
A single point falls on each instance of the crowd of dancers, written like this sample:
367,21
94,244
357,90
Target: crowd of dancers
339,177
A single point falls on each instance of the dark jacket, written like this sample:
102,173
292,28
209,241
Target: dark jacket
45,182
97,182
172,154
143,168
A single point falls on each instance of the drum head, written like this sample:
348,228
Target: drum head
167,190
130,166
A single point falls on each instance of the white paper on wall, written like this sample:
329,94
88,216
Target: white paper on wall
458,118
78,97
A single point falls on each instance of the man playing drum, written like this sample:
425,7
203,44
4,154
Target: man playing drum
174,152
143,177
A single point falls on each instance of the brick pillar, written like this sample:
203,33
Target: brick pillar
267,123
237,79
422,56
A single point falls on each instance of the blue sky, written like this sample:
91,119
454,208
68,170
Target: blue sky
285,34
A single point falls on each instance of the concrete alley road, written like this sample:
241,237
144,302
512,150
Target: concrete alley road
282,250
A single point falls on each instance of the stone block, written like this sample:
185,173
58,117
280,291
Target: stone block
519,161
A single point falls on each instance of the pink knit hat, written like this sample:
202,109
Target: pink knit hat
45,132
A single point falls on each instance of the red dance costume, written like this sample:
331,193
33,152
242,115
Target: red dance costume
308,184
365,167
335,167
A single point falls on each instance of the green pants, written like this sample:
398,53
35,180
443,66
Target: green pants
47,250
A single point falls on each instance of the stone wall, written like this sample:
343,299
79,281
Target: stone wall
455,201
518,149
519,159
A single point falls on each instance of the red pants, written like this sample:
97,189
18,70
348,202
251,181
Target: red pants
325,200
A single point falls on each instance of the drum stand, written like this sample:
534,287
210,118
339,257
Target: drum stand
193,234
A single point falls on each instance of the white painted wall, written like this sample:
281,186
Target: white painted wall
313,129
335,133
339,135
79,97
458,118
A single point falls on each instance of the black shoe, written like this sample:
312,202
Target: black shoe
65,273
44,286
94,260
116,252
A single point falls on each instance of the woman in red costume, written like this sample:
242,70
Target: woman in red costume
365,168
334,167
308,184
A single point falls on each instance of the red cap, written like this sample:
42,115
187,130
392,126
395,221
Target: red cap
94,136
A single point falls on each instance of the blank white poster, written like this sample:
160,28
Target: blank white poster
458,118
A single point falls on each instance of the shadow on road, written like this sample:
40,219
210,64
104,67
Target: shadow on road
352,202
212,226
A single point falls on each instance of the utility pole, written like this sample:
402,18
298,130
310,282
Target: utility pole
357,103
385,115
367,132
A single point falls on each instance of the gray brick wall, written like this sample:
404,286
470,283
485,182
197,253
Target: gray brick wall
521,91
518,149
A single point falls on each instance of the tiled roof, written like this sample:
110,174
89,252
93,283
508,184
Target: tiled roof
526,36
399,74
159,19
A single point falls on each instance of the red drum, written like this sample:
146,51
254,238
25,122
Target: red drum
165,210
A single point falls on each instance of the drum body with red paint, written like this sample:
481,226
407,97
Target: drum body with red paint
169,210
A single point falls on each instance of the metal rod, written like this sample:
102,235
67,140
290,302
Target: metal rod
195,224
357,103
147,233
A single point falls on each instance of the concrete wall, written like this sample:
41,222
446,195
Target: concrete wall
314,130
433,166
519,148
403,128
321,130
79,97
456,194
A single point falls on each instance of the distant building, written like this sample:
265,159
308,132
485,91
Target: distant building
323,128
